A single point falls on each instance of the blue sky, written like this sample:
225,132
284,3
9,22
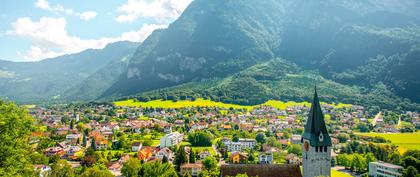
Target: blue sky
32,30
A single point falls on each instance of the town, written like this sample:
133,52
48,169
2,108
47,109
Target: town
215,141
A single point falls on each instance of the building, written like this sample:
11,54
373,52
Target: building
240,145
193,169
135,146
265,158
382,169
72,138
165,152
262,170
296,139
238,157
316,143
171,139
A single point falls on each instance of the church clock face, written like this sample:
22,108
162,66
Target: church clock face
306,145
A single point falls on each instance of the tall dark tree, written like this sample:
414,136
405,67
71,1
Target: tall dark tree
181,157
192,156
93,144
84,141
71,124
165,159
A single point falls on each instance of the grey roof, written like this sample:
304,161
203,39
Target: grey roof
316,125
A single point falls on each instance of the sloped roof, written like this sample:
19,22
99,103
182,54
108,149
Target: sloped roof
316,125
261,170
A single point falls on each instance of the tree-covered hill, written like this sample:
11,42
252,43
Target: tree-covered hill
281,80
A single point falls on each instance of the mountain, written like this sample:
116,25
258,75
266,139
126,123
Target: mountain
339,39
61,78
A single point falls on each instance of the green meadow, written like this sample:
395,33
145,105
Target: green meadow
404,141
208,103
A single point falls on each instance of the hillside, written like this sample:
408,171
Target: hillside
278,79
56,78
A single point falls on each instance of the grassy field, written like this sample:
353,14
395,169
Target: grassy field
335,173
203,103
179,104
199,149
404,141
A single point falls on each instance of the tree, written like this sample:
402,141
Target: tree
210,163
192,156
97,171
343,137
88,161
62,169
294,149
84,141
165,159
358,163
37,158
260,138
158,169
93,144
71,124
181,157
200,139
131,168
411,172
235,138
410,161
15,128
369,158
251,157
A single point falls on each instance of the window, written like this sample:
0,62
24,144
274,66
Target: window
316,148
325,148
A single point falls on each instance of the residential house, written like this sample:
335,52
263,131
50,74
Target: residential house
238,157
265,158
164,152
204,154
135,146
43,170
73,138
293,159
145,154
54,151
296,139
193,169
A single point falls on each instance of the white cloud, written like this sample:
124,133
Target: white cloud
49,37
88,15
57,9
159,10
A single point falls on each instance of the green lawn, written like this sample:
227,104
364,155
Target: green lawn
404,141
179,104
199,149
203,103
335,173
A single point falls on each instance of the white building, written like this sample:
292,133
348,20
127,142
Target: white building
382,169
171,139
240,145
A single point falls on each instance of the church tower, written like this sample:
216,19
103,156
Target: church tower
316,144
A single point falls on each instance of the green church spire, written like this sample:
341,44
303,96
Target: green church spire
315,129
